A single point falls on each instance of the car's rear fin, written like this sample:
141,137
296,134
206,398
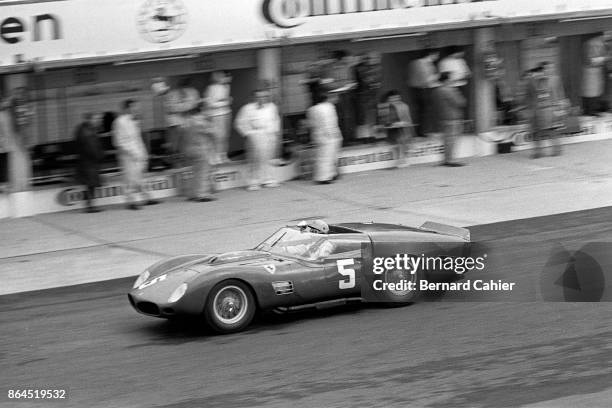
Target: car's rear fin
445,229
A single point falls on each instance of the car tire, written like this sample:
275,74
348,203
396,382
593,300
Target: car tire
402,298
230,307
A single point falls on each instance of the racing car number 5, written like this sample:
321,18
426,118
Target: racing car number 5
349,282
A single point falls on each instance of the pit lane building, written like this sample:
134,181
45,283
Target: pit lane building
77,56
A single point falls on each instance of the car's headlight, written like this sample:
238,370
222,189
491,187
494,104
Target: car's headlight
178,293
141,279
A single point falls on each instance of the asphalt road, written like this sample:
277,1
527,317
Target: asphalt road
461,350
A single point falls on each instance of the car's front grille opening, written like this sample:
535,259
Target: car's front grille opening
131,300
148,308
168,311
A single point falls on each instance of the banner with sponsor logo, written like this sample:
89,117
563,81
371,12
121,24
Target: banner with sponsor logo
112,191
591,129
420,151
356,159
53,30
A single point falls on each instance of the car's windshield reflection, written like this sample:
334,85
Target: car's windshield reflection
295,243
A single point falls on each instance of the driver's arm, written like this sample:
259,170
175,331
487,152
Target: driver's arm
325,249
296,249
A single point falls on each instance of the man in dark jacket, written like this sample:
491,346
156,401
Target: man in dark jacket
449,105
90,155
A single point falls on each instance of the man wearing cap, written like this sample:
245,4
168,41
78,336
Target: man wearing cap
259,123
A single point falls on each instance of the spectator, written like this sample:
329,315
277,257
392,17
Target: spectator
556,85
398,122
449,104
179,102
107,121
542,104
313,80
523,114
608,71
327,138
422,79
132,154
259,123
339,75
368,77
593,75
200,154
456,66
504,101
90,155
219,104
454,63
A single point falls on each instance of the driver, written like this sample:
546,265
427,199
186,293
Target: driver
323,250
314,226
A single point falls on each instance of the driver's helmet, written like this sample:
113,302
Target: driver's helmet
316,226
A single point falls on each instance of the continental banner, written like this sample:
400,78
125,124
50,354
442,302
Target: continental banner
158,185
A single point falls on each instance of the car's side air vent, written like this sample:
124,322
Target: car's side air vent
283,288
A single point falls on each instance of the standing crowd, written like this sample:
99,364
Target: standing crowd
344,107
199,129
352,85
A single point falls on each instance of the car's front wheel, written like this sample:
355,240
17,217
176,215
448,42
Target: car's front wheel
230,306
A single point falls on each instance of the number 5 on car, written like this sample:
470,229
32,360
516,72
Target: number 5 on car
342,264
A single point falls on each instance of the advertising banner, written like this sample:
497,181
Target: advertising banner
54,30
591,129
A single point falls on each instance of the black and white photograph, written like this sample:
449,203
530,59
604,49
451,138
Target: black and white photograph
306,203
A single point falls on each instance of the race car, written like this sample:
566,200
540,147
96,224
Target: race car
305,265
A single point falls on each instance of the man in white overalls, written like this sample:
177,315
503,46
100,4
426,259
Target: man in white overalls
259,123
219,104
327,137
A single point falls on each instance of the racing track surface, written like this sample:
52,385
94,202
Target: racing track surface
449,352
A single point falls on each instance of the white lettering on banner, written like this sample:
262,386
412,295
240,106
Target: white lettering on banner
13,28
521,137
426,149
226,176
366,158
73,195
525,136
292,13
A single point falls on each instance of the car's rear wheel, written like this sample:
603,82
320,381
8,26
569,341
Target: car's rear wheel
409,293
230,306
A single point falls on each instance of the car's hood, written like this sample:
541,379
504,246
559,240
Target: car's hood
166,275
203,263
